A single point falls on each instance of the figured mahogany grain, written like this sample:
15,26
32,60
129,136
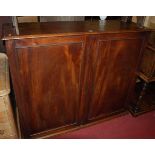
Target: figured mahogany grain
50,76
110,73
67,74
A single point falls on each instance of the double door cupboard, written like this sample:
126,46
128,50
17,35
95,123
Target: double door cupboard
69,74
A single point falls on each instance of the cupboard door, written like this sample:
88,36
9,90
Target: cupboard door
50,85
112,65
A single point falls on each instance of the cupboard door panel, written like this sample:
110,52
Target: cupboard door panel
113,64
50,82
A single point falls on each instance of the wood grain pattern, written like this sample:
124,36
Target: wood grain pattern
110,71
55,101
143,100
148,63
67,76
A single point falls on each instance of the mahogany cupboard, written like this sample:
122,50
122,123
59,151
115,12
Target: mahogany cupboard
68,74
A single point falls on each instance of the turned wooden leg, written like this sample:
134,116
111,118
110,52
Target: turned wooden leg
142,93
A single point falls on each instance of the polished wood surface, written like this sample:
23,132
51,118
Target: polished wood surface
50,76
111,70
56,101
148,63
66,76
146,73
32,30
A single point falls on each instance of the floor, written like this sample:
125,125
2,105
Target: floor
126,126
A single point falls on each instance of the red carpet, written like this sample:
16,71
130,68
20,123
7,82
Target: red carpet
121,127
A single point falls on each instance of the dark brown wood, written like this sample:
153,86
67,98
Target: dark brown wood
144,97
3,20
35,30
111,64
147,67
66,74
56,101
146,73
50,134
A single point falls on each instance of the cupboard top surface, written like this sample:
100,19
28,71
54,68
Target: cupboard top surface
32,30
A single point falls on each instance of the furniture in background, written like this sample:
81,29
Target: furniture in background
126,19
61,18
3,20
7,121
141,21
70,74
149,21
144,99
96,18
26,19
92,18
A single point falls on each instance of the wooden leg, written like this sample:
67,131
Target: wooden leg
138,104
